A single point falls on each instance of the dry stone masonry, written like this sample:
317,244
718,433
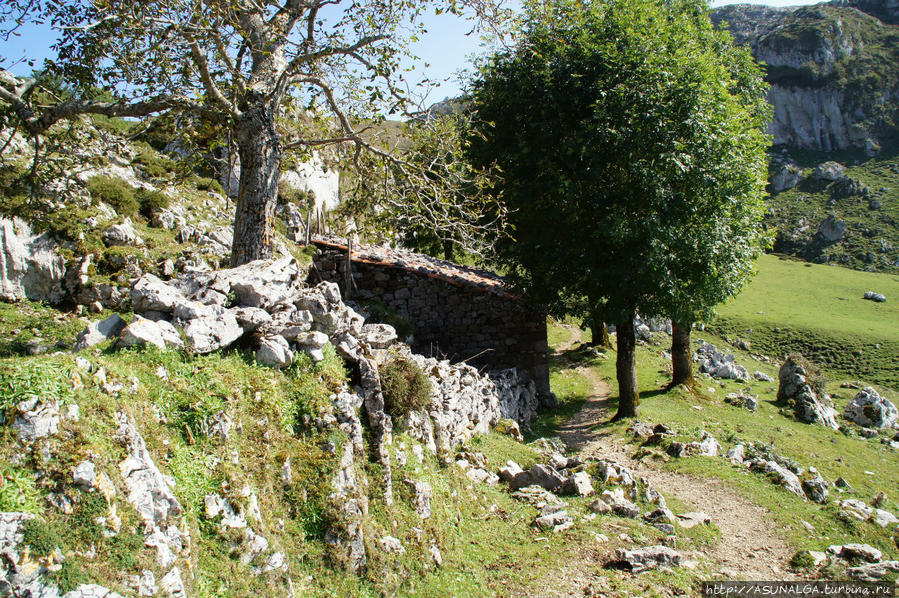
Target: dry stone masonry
460,313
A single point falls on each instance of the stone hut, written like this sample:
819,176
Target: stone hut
458,313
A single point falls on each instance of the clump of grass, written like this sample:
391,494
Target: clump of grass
208,184
18,491
406,387
151,202
813,374
152,164
114,192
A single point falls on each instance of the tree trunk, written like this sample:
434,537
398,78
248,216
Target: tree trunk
599,336
448,249
680,354
259,148
626,369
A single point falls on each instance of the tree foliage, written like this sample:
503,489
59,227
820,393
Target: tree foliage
630,138
236,65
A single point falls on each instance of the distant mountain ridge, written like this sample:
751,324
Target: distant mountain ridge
833,67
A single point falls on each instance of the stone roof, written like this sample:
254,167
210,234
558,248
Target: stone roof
423,265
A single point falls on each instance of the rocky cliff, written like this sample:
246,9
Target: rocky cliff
832,68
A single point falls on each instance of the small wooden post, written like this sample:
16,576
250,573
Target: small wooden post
348,292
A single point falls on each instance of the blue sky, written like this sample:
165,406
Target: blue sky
443,52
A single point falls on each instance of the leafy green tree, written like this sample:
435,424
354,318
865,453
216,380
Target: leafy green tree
630,138
236,64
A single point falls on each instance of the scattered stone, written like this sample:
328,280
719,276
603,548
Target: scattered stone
856,552
274,351
874,572
36,418
780,475
692,519
556,521
121,234
737,454
870,409
142,332
640,429
510,428
546,477
600,507
660,515
876,297
650,557
434,551
421,497
813,558
84,475
745,401
482,476
392,545
718,364
578,484
762,376
883,518
709,446
97,332
828,171
816,489
841,482
620,505
378,336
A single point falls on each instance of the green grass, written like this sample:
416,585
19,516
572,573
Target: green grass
819,311
872,238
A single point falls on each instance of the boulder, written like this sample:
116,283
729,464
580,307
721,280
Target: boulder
36,418
692,519
29,265
556,521
210,328
97,332
856,552
649,557
786,177
150,293
121,234
780,475
708,446
546,477
719,365
831,230
84,475
816,489
262,283
274,351
619,504
873,572
251,318
870,409
378,336
578,484
142,332
876,297
737,454
795,391
828,171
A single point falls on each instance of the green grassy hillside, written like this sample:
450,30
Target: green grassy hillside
819,311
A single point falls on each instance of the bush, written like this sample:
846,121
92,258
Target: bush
406,388
153,165
114,192
207,184
151,202
289,194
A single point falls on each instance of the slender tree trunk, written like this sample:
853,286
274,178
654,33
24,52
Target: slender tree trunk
599,336
259,148
448,250
626,369
680,354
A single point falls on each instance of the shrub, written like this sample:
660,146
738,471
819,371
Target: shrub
18,491
208,184
151,202
114,192
153,165
406,388
290,194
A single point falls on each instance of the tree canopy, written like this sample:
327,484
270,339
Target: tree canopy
630,137
237,64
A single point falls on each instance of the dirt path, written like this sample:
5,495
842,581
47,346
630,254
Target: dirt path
750,546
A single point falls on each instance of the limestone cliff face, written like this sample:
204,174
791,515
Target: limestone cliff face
833,69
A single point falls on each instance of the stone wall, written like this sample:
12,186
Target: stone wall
459,313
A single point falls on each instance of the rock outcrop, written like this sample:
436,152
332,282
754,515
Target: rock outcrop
29,265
